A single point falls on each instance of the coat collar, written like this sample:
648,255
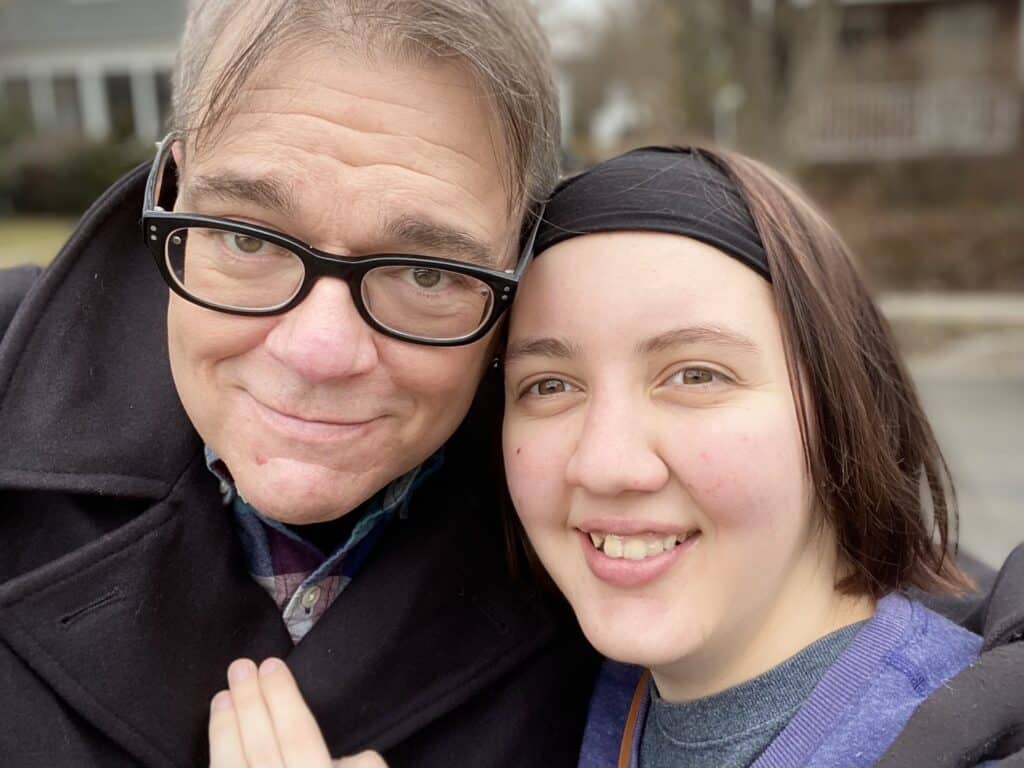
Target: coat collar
85,383
134,631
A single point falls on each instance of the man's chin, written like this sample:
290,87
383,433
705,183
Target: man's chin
300,494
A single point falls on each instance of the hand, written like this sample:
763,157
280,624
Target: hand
262,721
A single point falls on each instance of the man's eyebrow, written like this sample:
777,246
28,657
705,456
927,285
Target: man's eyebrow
541,347
441,240
270,194
699,334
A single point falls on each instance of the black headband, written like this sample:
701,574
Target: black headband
656,189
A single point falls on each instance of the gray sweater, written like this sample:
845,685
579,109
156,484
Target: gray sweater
730,729
899,657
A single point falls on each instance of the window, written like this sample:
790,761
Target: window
17,103
68,104
119,105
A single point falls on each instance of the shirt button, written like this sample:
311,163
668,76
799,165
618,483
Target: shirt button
311,597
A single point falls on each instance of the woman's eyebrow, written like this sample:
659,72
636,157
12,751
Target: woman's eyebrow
699,334
541,347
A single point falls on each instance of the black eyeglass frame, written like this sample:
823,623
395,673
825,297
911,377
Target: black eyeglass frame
158,224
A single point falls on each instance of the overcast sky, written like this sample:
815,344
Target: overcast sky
563,18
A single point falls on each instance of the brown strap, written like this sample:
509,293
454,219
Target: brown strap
626,748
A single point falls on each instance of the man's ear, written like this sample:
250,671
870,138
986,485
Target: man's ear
178,156
178,153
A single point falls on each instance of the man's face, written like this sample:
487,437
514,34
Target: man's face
312,411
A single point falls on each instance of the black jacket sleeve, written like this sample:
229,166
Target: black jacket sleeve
14,284
977,715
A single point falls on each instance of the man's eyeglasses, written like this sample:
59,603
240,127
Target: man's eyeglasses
243,269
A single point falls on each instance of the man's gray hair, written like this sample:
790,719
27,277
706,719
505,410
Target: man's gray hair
499,40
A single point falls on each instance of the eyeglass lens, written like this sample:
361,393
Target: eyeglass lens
238,271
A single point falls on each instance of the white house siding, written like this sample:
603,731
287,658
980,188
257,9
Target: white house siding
66,50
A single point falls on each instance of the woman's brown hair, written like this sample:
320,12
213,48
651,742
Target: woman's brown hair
878,474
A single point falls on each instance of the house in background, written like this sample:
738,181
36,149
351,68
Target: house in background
904,79
94,68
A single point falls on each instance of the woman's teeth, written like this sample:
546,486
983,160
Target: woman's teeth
636,547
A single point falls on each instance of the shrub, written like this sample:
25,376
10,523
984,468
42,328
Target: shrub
62,176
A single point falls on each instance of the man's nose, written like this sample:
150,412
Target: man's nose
616,451
324,337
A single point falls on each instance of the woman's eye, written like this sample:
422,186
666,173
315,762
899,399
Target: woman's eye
549,387
696,377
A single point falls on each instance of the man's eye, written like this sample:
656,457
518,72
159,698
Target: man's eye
549,387
426,278
245,243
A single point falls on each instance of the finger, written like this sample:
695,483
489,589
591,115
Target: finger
298,736
259,742
225,739
362,760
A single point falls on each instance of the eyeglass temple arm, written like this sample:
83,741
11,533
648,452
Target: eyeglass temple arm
149,201
527,256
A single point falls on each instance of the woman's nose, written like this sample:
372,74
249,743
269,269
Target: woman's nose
616,451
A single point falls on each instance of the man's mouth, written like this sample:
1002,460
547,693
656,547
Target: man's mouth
311,426
638,546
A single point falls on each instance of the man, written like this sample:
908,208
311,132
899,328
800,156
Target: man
263,464
269,461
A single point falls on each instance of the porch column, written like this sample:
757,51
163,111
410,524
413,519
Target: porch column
95,112
43,101
145,108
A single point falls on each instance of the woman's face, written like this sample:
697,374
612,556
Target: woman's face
654,456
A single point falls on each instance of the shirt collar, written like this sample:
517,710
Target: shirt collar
395,496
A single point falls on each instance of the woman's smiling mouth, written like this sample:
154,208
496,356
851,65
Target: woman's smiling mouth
634,559
637,547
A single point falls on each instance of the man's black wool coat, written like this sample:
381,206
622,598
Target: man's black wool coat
123,594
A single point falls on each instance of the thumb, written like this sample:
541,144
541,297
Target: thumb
362,760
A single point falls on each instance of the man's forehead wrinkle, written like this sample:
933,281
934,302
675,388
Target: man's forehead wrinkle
319,154
381,134
296,92
308,103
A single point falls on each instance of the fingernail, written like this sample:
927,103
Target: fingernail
241,669
221,702
270,666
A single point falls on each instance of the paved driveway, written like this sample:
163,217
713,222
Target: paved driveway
973,390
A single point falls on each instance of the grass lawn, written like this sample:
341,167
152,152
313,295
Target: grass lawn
31,240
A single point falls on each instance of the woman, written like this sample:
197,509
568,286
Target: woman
718,457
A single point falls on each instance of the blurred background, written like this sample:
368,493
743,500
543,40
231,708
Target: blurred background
901,118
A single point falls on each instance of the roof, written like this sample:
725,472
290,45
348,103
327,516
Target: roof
39,25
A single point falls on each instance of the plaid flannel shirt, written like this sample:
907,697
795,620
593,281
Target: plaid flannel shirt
302,580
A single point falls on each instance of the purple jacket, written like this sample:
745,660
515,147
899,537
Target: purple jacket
902,654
